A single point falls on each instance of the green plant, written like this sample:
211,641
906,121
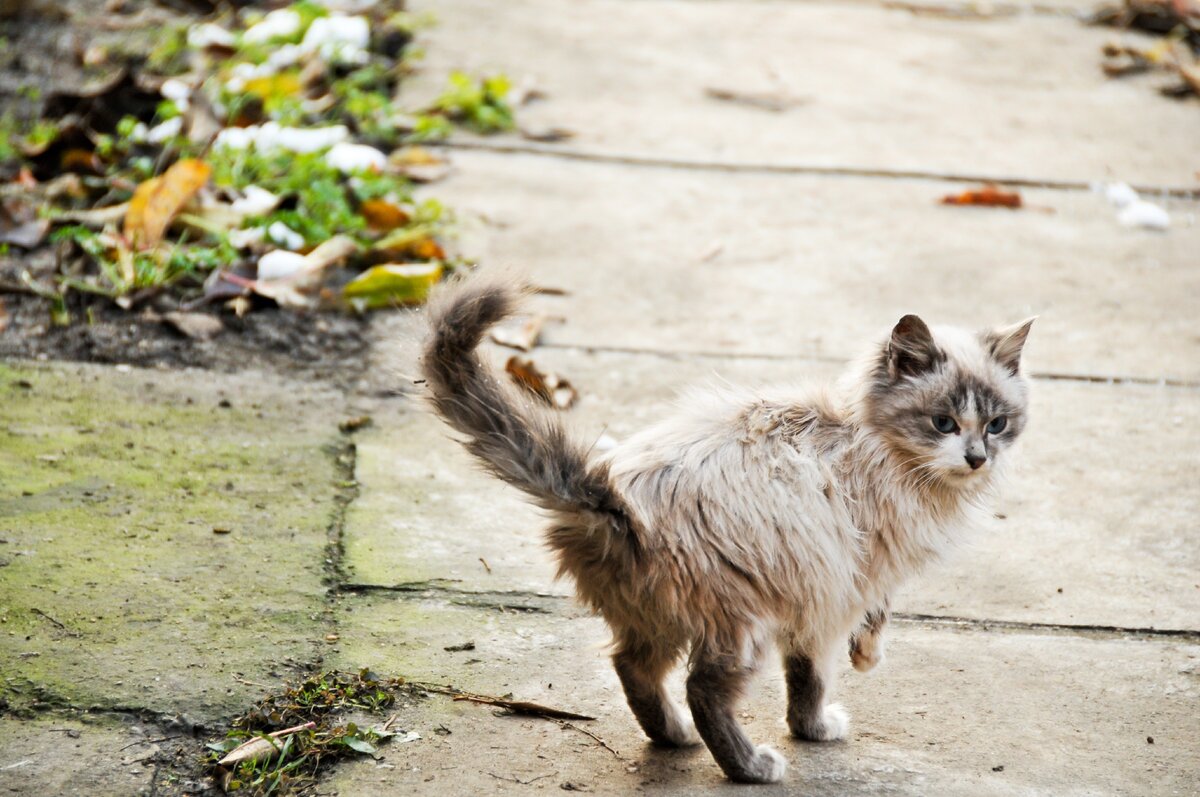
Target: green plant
481,105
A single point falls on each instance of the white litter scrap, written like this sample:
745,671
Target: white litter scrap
339,39
279,264
209,35
279,24
285,236
165,131
255,201
177,92
349,158
1132,210
1144,214
272,136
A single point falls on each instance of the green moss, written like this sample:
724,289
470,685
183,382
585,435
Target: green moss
109,497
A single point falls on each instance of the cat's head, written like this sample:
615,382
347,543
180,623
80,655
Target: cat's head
948,401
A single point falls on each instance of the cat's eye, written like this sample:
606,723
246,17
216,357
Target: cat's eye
944,424
997,424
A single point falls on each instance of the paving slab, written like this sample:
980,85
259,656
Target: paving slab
806,266
163,536
1083,540
876,87
949,712
68,756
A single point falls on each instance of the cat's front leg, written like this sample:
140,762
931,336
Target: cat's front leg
866,643
809,682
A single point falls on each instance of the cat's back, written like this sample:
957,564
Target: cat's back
741,477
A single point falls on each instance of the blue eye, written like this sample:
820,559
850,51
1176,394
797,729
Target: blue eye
944,424
997,425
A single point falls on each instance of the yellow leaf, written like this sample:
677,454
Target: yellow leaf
157,201
393,284
285,84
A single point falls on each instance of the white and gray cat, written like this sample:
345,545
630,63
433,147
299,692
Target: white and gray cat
748,519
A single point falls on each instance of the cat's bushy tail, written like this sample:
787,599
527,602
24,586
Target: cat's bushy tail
521,443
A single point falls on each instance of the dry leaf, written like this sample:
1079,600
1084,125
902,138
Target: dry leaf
523,337
987,196
157,201
383,215
260,748
546,135
548,386
419,164
392,285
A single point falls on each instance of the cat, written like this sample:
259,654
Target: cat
748,519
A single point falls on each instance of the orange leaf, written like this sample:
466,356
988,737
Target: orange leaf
383,215
157,201
988,196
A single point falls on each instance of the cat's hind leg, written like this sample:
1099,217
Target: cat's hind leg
642,668
714,687
809,681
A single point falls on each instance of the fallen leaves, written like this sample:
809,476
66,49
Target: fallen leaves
987,196
546,385
523,337
1178,52
393,285
157,201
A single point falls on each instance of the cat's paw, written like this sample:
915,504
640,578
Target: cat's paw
680,730
767,766
832,724
867,652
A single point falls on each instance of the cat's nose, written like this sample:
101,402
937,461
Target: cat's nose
976,460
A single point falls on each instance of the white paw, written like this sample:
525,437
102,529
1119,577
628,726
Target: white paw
835,722
769,765
681,730
868,654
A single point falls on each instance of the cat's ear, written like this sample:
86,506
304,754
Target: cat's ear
1006,343
911,350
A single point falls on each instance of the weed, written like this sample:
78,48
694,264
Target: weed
480,105
297,757
171,55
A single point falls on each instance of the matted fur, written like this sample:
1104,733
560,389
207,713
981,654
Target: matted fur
747,519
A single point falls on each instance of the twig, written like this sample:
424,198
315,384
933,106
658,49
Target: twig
150,741
485,565
517,706
518,780
588,733
37,611
242,680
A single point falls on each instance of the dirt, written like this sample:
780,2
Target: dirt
41,46
327,346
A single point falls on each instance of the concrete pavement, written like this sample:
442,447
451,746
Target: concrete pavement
697,239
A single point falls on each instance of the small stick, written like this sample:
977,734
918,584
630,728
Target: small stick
586,732
518,706
37,611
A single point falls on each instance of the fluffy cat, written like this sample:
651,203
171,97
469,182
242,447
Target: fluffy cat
747,520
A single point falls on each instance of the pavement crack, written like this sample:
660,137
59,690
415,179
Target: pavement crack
499,600
685,354
852,172
1071,629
